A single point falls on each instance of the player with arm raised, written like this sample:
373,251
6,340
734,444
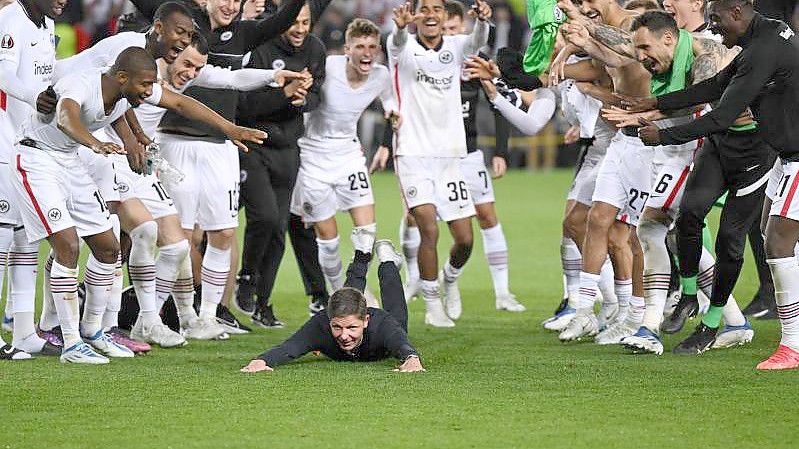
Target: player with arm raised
333,174
27,56
147,212
667,51
427,69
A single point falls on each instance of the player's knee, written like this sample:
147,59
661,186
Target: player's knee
487,221
145,234
599,221
176,252
108,252
464,240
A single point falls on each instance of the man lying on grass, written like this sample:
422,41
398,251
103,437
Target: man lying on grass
348,330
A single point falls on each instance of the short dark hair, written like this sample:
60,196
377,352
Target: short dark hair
200,43
454,9
648,5
134,60
166,10
732,3
345,302
655,21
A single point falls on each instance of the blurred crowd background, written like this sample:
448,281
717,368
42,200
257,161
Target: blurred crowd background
85,22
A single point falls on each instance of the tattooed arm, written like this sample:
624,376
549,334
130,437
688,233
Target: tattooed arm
616,39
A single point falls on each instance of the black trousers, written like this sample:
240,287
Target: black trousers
306,251
734,161
391,293
267,180
759,252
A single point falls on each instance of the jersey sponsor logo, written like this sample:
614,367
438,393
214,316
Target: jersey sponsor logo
54,214
7,41
439,83
445,57
42,68
278,64
4,206
465,108
226,36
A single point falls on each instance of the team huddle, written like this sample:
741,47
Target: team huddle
156,138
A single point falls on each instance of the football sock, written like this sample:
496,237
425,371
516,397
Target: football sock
141,268
183,293
624,290
410,239
6,237
606,283
572,262
215,270
713,316
431,292
451,274
23,262
330,261
64,288
635,313
587,293
657,272
111,315
496,251
49,317
785,273
167,265
363,237
98,280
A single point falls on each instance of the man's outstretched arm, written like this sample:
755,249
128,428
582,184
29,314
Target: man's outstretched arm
307,338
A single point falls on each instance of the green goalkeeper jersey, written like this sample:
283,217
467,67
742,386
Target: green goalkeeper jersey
544,18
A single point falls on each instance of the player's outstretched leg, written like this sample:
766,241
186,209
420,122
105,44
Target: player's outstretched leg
496,251
391,293
435,315
410,239
461,231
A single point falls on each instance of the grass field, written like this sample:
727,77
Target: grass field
497,380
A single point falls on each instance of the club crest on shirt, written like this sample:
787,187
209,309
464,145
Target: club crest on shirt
411,192
54,214
224,37
307,207
123,188
4,206
445,57
7,41
278,64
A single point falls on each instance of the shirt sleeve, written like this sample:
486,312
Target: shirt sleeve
476,40
10,83
308,338
75,88
155,97
214,77
537,116
101,54
751,74
395,339
260,31
387,99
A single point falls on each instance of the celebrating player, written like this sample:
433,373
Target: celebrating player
432,140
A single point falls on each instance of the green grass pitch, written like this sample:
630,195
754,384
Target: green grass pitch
497,380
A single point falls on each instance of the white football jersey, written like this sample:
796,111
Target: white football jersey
333,126
32,49
427,87
101,54
85,88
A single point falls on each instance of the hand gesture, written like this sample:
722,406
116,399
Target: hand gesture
137,158
411,365
107,148
46,101
499,166
283,76
572,135
639,104
477,67
649,132
395,118
404,15
570,9
490,89
575,34
480,10
256,366
557,70
623,118
239,134
252,9
380,159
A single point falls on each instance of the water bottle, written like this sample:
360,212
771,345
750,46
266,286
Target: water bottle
160,166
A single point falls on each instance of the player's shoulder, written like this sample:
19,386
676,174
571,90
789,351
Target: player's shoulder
76,81
381,72
129,38
333,62
13,17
